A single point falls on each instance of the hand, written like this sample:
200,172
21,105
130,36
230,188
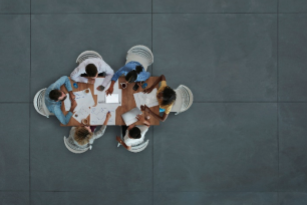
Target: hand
73,106
72,96
140,118
100,88
91,81
109,91
108,115
148,90
145,108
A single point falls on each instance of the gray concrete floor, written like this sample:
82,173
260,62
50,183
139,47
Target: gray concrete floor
242,142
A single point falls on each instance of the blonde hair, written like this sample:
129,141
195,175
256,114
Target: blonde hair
82,135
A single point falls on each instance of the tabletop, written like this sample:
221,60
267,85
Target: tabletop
128,101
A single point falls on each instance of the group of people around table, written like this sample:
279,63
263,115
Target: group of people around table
83,136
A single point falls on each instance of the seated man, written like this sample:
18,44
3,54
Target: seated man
134,135
54,98
90,69
166,97
133,71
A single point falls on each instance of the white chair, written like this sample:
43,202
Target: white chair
136,148
74,149
86,55
184,99
39,103
141,54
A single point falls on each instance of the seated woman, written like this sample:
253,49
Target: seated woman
133,71
83,137
134,135
166,97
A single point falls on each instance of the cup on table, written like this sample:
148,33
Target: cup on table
123,85
84,121
87,91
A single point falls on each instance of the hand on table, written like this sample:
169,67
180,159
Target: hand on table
109,91
108,115
140,118
144,108
100,88
91,81
148,90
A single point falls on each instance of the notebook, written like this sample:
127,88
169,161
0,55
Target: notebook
130,116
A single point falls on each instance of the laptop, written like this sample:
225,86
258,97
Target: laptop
130,116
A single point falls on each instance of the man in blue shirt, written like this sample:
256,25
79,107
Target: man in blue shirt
133,71
54,98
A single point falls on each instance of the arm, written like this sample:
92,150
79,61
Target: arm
118,73
122,142
143,76
61,117
161,118
109,74
76,74
161,78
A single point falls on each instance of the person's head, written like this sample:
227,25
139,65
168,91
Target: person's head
132,75
83,135
57,95
167,96
91,71
135,133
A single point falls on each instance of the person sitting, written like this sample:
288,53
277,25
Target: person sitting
83,137
133,71
54,98
90,69
166,97
134,135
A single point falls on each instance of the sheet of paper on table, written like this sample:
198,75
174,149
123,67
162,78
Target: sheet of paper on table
149,99
82,113
101,96
99,113
83,99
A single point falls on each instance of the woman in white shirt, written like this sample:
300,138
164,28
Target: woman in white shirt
134,134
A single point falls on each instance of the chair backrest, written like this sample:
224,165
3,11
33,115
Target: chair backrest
141,54
39,103
140,147
184,99
86,55
73,148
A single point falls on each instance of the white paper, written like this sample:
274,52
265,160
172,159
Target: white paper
98,114
149,99
101,96
112,98
67,103
84,99
82,113
98,82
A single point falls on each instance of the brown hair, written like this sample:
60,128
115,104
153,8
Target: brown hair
55,94
91,70
82,135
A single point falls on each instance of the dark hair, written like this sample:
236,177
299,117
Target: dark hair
169,96
135,133
82,135
91,70
55,94
132,75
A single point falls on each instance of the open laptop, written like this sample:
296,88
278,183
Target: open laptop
130,116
